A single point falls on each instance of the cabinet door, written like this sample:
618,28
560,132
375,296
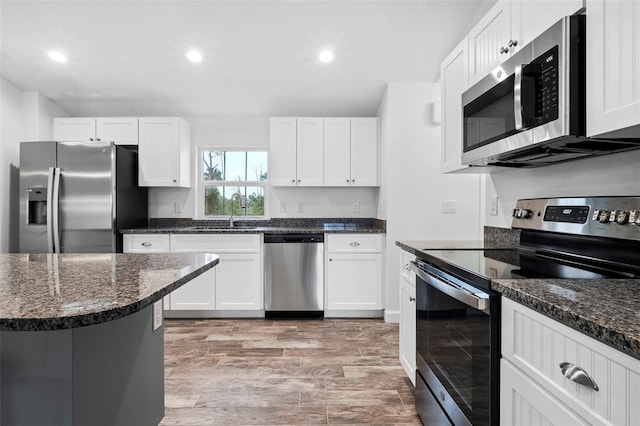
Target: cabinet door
613,64
159,152
454,75
197,294
121,130
337,152
525,403
239,282
407,327
486,40
310,150
282,155
354,281
74,129
364,152
530,18
148,243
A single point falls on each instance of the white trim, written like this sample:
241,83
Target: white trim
392,316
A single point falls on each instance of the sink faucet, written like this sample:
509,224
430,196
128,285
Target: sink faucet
234,195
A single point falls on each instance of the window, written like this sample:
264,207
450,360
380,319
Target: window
238,174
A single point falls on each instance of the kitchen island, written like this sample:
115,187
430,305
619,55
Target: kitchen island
81,336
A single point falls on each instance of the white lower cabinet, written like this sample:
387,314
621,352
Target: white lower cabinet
232,286
353,275
407,326
534,387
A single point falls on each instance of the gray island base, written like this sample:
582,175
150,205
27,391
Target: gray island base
99,359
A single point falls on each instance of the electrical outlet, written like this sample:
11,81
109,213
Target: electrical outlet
356,207
493,206
449,206
300,207
283,207
178,207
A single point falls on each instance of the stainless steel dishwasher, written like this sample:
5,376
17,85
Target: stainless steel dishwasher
294,275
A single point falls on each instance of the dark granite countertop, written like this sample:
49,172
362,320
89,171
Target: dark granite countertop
607,310
295,225
417,247
59,291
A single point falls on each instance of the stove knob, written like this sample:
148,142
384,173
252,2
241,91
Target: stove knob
525,214
613,215
604,216
633,216
622,217
515,213
596,214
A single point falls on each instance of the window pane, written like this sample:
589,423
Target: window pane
235,166
256,165
213,201
255,201
212,165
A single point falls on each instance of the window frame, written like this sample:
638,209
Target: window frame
203,184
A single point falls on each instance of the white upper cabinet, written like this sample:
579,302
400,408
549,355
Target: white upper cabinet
164,153
309,154
508,26
312,151
613,68
282,158
337,152
121,130
364,151
454,78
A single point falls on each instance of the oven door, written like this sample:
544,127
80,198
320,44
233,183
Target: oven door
457,347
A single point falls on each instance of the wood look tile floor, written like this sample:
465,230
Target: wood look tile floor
284,372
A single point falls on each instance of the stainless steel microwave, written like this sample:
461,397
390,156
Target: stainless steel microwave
530,110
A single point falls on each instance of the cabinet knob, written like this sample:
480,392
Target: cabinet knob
513,43
353,180
407,267
98,139
299,180
175,180
347,180
330,260
504,50
146,244
412,299
354,244
91,139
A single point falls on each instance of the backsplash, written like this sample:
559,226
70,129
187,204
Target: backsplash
170,222
502,236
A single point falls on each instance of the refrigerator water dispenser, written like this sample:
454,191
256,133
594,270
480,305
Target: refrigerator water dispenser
37,206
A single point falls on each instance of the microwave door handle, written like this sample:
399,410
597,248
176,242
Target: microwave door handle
517,98
469,299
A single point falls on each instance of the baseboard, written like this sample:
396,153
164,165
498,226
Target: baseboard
391,316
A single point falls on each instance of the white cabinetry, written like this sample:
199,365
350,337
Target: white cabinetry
164,152
508,26
454,76
534,346
351,151
407,326
296,151
353,275
121,130
613,68
311,151
236,282
148,243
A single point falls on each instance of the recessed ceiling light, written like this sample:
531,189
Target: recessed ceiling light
194,56
57,56
325,56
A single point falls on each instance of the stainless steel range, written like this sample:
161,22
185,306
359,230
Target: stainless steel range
458,313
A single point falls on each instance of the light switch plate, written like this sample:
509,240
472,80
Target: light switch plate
493,206
157,315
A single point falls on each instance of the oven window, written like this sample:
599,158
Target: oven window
490,117
454,340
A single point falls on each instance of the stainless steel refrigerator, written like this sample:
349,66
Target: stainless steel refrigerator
75,197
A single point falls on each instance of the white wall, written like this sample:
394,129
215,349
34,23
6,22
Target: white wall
23,116
253,132
413,189
616,174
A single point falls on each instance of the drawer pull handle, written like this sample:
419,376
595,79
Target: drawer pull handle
146,244
354,244
412,299
407,267
577,374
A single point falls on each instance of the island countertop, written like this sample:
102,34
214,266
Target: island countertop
61,291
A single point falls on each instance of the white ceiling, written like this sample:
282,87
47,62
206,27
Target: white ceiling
260,57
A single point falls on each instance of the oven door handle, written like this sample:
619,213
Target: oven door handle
478,301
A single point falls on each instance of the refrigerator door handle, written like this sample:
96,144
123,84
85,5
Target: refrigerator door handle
50,179
56,210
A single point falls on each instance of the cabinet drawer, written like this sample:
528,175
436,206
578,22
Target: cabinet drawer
147,243
354,243
405,267
537,345
227,243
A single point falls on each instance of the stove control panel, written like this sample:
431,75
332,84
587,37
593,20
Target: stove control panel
614,217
